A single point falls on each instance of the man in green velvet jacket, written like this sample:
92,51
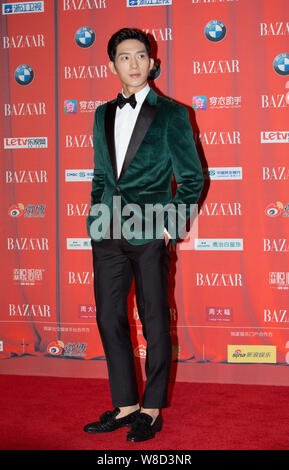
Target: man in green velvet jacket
140,140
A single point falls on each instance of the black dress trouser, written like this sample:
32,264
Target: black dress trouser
116,262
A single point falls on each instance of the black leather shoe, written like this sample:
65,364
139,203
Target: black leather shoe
108,421
142,430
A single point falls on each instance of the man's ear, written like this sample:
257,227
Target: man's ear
112,67
152,63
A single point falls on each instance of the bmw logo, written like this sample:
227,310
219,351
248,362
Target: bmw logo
215,31
281,64
24,74
84,37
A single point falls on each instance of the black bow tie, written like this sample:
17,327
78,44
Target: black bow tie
121,100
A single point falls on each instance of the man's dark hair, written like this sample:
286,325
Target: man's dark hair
124,34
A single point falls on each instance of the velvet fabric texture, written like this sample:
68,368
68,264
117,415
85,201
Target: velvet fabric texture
161,144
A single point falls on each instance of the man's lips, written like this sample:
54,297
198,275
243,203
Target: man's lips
134,75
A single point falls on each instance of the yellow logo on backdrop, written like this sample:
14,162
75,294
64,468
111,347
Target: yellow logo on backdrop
251,353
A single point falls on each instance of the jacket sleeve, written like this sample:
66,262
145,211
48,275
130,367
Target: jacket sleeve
186,167
98,172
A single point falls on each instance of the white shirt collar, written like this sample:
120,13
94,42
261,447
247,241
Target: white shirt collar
140,96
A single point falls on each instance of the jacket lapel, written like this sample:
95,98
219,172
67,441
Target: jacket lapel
109,132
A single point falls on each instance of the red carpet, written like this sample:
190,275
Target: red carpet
46,413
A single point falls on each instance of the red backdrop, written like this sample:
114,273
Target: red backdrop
227,61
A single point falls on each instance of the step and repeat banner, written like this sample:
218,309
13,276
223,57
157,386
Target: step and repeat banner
227,61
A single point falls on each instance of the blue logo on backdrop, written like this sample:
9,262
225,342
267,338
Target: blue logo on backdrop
24,74
281,64
84,37
215,31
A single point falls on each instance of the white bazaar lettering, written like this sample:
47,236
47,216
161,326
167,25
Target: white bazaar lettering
80,278
26,176
85,71
165,34
24,243
23,41
24,109
225,208
217,279
80,141
221,137
83,4
276,173
77,209
276,316
280,245
277,101
274,29
216,66
26,310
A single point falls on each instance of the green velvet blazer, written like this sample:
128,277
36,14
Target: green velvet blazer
161,144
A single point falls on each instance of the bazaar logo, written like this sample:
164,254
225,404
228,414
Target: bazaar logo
84,37
215,31
281,64
24,74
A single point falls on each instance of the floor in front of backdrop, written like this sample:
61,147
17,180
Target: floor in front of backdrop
48,413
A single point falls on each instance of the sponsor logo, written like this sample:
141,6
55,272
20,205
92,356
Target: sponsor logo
219,244
78,175
23,7
87,311
281,64
147,3
274,137
29,40
29,310
280,245
70,106
219,280
84,72
31,210
24,74
1,346
27,244
215,31
221,208
210,2
220,137
216,67
78,244
277,208
24,109
26,176
11,143
278,28
58,348
225,173
81,210
251,354
28,276
276,315
279,280
278,173
216,314
79,141
140,351
84,37
200,102
70,5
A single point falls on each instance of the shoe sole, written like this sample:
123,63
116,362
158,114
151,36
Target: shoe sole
133,439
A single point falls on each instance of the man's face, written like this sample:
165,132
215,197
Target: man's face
132,64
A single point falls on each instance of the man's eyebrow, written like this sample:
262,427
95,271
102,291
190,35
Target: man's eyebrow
137,52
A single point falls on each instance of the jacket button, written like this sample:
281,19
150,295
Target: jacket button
118,189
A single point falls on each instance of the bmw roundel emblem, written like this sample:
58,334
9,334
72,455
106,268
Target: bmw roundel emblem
215,31
281,64
84,37
24,74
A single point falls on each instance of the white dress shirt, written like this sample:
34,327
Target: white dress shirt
125,120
